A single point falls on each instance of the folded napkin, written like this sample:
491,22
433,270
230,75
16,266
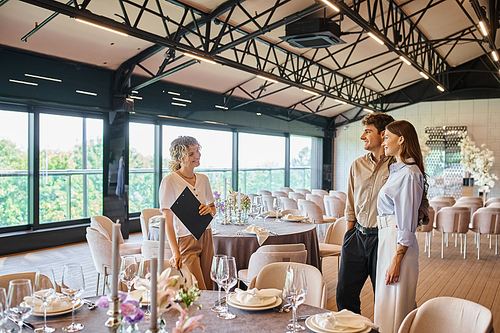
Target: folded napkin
343,320
255,296
154,221
261,233
59,303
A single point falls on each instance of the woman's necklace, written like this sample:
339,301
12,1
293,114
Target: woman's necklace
180,174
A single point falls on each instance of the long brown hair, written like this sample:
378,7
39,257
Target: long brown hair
410,146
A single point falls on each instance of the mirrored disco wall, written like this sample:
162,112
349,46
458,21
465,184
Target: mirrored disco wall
443,167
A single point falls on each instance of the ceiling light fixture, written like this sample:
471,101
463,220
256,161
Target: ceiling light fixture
178,104
42,77
259,114
495,55
368,110
181,100
169,117
310,92
213,122
136,97
441,89
221,107
406,61
376,38
339,101
266,78
174,93
101,27
332,6
425,76
199,58
86,92
135,92
23,82
484,31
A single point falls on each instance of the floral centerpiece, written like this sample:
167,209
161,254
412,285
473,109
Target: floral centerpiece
233,200
130,310
219,202
477,161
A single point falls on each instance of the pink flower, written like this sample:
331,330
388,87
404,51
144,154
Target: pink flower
187,323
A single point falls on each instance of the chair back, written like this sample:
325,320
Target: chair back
470,199
491,201
289,203
294,212
471,205
285,189
259,260
486,220
319,192
318,200
339,194
273,276
279,194
493,205
303,191
105,226
146,214
334,207
282,248
150,249
438,204
5,279
264,192
448,314
296,196
336,231
445,198
100,249
313,211
252,196
267,200
453,220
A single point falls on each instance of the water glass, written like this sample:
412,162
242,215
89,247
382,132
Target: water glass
3,308
129,271
295,291
20,300
230,277
72,285
217,275
144,276
44,289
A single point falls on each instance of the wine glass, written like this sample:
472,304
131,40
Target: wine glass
73,284
3,308
264,214
295,291
45,290
129,271
144,277
230,277
277,208
216,275
254,212
20,300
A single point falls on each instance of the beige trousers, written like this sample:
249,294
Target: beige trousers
197,256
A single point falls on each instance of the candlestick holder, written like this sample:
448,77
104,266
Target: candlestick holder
225,221
114,320
239,222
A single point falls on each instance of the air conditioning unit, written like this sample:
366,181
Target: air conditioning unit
313,32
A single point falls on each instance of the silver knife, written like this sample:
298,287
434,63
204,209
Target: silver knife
27,325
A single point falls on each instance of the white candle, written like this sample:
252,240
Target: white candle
225,188
161,250
239,200
115,264
154,294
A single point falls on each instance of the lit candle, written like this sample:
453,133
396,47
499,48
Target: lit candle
115,263
154,294
161,251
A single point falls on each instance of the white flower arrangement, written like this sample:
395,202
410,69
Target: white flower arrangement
477,161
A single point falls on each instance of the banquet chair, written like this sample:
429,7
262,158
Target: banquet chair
334,207
316,216
332,246
289,203
267,201
448,314
279,194
5,279
470,199
105,226
318,200
150,249
445,198
268,254
471,205
252,196
147,214
491,201
453,220
294,212
303,191
273,276
264,192
100,249
339,194
287,190
438,204
493,205
428,228
319,192
296,196
486,220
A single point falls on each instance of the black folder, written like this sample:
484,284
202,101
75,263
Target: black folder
187,209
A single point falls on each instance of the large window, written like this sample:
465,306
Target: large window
141,166
13,168
300,162
261,162
70,167
216,153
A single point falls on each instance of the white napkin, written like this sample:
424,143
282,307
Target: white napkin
255,296
261,233
343,320
59,303
154,221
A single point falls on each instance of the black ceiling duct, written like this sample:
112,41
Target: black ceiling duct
313,32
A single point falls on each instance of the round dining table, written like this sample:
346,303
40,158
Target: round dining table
229,240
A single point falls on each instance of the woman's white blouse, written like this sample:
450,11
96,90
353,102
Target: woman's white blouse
401,196
173,185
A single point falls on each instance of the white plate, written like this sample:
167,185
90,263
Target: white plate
311,324
250,308
273,214
294,218
137,294
267,301
78,305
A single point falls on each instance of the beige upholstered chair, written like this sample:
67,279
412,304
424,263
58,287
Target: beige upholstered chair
279,194
318,200
296,196
453,220
273,276
316,216
486,221
264,192
491,201
252,196
267,200
471,205
105,226
339,194
268,254
303,191
470,199
445,198
334,207
319,192
438,204
146,214
494,205
294,212
5,279
101,251
285,189
289,203
150,249
333,240
427,229
448,314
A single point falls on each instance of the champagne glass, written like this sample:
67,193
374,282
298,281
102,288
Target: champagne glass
230,277
73,284
3,308
20,300
144,276
216,277
295,291
277,208
45,290
129,271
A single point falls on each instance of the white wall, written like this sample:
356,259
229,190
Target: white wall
482,118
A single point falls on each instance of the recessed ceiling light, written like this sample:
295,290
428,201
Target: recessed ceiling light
42,77
23,82
86,92
259,114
